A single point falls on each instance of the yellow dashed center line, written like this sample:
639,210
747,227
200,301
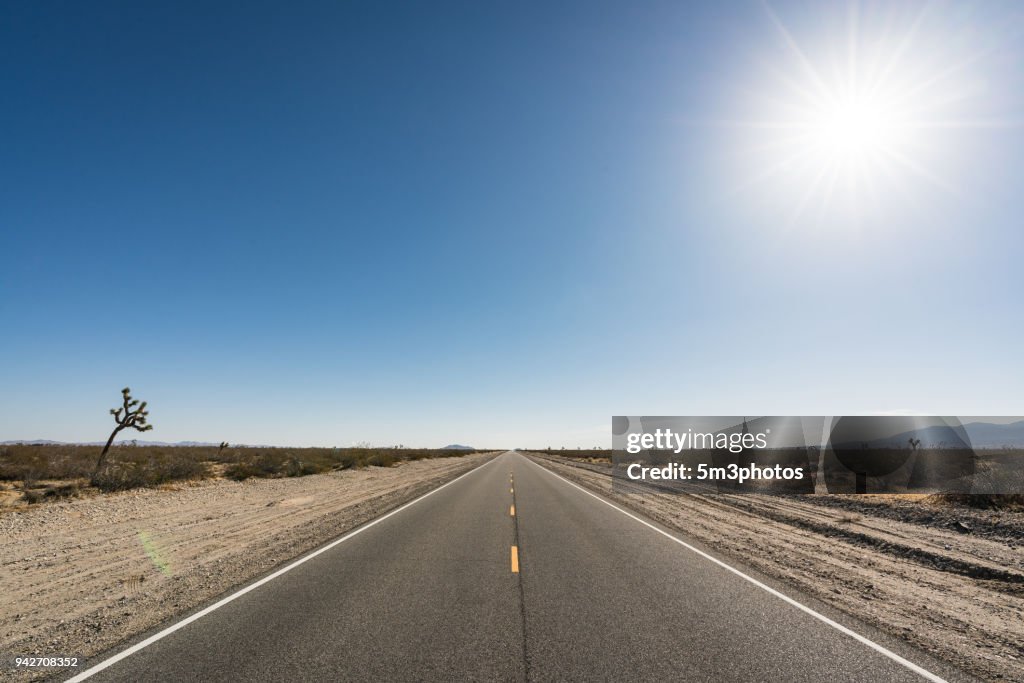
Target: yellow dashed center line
512,513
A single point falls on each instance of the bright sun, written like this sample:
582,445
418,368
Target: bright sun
863,116
854,128
848,137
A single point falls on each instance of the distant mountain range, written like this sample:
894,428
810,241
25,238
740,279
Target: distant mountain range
980,434
457,447
988,435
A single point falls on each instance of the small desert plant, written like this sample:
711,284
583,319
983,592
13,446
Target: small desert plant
295,467
50,493
344,459
32,496
62,491
240,471
381,459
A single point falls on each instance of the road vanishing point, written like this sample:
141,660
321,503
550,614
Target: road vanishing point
512,573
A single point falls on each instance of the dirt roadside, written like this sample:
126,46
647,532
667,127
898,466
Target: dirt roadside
950,583
78,577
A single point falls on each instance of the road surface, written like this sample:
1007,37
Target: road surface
511,573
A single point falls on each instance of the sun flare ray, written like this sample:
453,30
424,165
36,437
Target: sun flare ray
850,122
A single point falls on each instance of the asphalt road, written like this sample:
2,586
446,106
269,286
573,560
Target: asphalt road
429,594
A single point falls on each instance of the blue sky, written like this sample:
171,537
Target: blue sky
495,223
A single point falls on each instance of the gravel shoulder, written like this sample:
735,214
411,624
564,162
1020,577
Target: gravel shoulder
949,581
80,576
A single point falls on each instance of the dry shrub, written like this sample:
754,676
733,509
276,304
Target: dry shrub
45,461
56,492
131,467
585,453
148,468
381,459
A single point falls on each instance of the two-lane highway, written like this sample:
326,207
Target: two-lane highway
511,573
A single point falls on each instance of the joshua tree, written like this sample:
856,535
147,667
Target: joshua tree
131,414
223,445
914,443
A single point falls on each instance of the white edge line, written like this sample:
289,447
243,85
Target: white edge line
110,661
924,673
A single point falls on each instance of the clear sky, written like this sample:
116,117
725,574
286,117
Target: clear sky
317,223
